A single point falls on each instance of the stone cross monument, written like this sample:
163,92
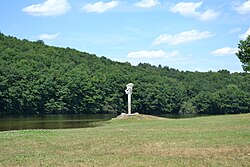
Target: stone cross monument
129,93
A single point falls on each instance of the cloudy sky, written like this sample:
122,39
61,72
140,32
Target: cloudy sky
187,35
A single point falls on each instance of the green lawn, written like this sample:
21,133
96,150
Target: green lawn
136,141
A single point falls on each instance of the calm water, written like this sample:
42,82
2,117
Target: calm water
63,121
181,116
52,121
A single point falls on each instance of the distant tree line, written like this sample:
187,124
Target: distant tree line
40,79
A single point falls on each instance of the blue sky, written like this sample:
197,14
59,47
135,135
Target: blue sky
187,35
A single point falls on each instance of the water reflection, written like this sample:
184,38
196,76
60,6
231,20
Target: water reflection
51,121
181,116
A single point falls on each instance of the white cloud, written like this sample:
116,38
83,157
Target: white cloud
208,15
48,8
183,37
234,30
190,9
244,36
186,8
48,36
100,7
152,54
243,8
147,3
224,51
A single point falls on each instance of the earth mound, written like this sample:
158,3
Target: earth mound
137,116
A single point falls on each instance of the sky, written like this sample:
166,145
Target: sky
193,35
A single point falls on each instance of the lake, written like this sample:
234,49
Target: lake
181,116
63,121
60,121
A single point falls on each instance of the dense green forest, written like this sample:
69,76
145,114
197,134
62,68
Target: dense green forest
39,79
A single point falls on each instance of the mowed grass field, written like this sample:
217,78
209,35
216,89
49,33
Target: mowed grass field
135,141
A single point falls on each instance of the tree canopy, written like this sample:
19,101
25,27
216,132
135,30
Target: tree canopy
39,79
244,53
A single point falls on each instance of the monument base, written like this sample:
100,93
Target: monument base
134,114
125,115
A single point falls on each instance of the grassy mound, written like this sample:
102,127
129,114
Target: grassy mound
137,117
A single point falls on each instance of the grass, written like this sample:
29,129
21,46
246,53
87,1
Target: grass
134,141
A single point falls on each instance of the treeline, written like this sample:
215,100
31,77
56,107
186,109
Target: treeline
39,79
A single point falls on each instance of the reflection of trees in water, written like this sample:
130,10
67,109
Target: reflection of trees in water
52,122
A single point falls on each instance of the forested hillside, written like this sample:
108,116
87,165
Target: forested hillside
39,79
